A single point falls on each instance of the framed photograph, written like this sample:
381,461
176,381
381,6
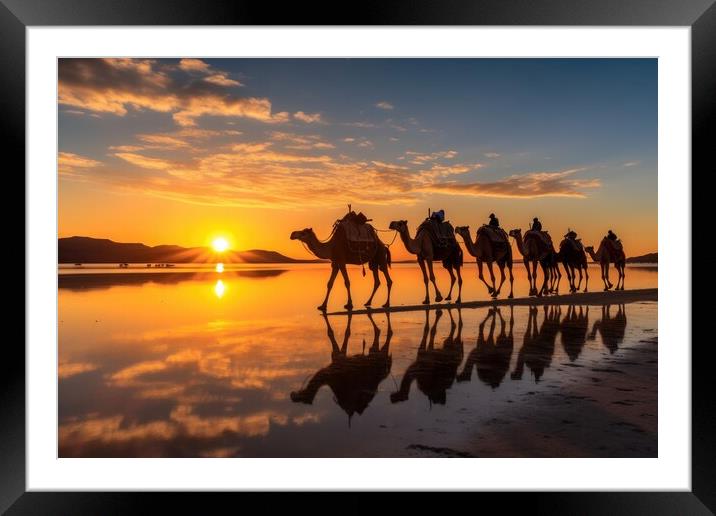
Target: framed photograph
419,249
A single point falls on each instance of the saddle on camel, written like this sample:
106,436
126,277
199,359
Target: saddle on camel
497,235
571,239
541,234
440,230
361,236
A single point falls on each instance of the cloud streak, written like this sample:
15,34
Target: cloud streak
116,86
291,170
524,186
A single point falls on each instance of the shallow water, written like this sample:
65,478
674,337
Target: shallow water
199,363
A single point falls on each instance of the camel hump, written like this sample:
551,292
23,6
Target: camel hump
541,236
572,244
496,235
442,233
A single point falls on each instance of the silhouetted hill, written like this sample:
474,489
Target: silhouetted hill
645,258
101,250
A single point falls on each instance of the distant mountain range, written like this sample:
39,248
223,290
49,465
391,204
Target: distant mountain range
644,258
79,249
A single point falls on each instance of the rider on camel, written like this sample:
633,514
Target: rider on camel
494,223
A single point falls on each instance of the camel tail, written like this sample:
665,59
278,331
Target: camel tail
388,257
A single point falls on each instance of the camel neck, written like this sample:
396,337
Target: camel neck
320,249
520,243
469,244
410,243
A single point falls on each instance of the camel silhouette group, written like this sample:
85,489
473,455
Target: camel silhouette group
355,379
343,247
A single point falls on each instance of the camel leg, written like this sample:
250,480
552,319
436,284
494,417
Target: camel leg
388,282
534,279
586,278
501,266
421,262
459,285
438,295
622,275
452,283
543,289
347,283
482,277
329,287
529,274
606,276
512,280
559,278
492,278
579,285
376,284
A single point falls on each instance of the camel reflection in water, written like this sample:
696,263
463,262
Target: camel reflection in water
491,357
574,328
538,345
611,328
434,370
353,379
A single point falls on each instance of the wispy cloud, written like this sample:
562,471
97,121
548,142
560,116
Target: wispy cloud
144,161
294,170
492,155
115,86
524,186
385,105
69,163
630,164
309,118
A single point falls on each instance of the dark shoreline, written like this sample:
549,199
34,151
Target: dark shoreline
581,298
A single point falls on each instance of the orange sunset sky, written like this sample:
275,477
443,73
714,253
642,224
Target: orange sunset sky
181,151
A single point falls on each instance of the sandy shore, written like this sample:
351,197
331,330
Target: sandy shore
580,298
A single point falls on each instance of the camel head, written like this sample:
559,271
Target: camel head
462,230
302,234
514,233
399,225
589,249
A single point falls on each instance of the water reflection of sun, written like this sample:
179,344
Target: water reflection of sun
219,267
219,289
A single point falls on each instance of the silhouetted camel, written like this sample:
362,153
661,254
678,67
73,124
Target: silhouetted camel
612,329
574,260
607,253
574,331
535,251
538,346
423,246
492,359
338,250
353,379
433,369
487,251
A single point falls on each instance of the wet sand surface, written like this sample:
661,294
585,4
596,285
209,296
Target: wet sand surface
243,365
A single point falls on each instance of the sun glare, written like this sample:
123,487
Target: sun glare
220,244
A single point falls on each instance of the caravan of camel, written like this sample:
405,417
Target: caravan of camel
354,241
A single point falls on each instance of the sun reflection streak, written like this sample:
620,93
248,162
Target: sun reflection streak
219,268
219,289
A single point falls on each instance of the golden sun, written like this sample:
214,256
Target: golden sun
220,244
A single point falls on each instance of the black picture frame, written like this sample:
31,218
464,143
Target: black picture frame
700,15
